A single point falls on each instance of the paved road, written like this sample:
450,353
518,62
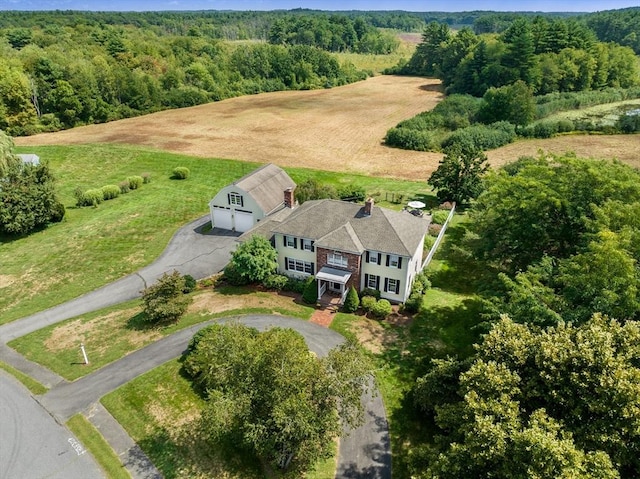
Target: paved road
190,252
364,453
33,445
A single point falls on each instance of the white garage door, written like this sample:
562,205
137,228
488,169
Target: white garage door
244,221
222,219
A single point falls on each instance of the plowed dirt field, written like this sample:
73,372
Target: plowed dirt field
340,129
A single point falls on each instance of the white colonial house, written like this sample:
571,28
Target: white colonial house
242,204
344,244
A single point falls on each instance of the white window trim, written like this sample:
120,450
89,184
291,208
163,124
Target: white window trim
299,266
374,257
333,261
292,240
235,199
390,289
307,245
394,260
373,278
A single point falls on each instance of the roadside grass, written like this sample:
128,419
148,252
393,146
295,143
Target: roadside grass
95,246
160,410
114,332
93,441
31,384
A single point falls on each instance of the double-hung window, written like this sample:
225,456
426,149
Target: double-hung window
235,199
307,245
373,257
299,266
336,258
394,261
392,285
372,281
290,242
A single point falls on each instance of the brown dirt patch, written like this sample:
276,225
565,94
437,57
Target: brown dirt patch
69,335
209,302
372,335
7,280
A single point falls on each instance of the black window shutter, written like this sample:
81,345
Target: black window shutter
313,248
399,263
284,240
386,284
367,256
366,280
397,287
388,260
377,282
313,268
286,263
229,198
379,258
242,201
295,243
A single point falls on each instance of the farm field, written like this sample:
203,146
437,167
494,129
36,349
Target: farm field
339,129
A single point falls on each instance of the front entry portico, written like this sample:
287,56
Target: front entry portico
333,279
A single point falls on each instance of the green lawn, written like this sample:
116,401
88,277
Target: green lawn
114,332
94,246
98,447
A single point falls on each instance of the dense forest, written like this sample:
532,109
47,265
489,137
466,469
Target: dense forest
535,67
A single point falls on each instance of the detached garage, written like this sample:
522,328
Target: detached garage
240,205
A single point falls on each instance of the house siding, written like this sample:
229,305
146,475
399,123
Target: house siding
383,271
354,262
293,253
221,200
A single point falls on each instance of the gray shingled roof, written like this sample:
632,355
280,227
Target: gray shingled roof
266,185
343,226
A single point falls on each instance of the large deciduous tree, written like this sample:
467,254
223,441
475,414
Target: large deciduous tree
459,175
555,403
269,395
252,261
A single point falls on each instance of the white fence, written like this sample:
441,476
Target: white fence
434,248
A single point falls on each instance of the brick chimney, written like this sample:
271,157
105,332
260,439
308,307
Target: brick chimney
289,198
368,206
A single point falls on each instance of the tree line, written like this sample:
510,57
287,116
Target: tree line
59,76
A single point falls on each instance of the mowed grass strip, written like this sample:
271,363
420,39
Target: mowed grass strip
114,332
31,384
160,411
98,447
95,246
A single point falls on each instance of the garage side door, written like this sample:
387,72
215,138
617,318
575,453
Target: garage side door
244,221
222,219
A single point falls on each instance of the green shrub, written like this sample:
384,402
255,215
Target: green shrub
367,303
124,187
370,292
381,309
423,280
352,193
310,294
110,192
429,241
277,282
233,276
545,129
351,302
135,182
146,178
565,126
164,301
295,285
91,197
628,123
439,216
190,283
181,173
57,212
485,137
414,303
410,139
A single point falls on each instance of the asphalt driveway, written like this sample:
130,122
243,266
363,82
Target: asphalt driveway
190,251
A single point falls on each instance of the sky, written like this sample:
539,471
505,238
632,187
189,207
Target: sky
406,5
